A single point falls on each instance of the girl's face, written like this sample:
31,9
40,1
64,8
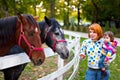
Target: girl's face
93,35
106,38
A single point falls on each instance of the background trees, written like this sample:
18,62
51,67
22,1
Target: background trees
105,12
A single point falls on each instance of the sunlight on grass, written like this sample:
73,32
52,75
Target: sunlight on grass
114,67
32,72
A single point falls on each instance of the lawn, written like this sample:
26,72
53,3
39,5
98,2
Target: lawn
114,67
50,65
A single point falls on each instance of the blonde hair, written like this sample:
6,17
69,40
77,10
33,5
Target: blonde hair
97,29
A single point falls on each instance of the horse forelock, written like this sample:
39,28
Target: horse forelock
30,19
55,24
7,29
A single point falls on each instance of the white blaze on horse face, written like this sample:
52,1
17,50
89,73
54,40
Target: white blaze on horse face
58,35
36,29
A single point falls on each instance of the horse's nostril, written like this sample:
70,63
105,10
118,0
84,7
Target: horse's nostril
40,60
68,54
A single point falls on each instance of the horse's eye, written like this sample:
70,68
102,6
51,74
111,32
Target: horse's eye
56,33
31,34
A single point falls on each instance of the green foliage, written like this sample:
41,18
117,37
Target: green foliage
106,28
78,28
84,29
72,28
114,30
72,22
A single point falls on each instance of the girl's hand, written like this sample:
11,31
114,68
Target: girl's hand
106,63
82,56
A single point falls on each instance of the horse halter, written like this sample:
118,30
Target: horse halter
46,31
56,41
31,48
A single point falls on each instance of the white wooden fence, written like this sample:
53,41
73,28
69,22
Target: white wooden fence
73,45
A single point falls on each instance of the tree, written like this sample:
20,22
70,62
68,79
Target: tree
102,11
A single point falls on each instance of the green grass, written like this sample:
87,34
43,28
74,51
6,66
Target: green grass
114,67
50,65
82,39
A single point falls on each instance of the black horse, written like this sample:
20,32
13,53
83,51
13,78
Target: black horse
52,35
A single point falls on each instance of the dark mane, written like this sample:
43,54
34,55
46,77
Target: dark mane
42,26
7,29
53,22
30,19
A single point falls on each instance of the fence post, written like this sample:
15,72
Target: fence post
60,65
73,44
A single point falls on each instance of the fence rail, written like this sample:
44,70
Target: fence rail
73,40
73,45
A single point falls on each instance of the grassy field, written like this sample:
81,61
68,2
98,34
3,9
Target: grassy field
114,67
32,72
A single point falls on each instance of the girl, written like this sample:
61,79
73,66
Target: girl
108,50
92,47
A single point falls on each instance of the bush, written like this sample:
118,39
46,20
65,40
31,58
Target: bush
114,30
78,28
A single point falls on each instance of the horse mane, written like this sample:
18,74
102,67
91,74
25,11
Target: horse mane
42,25
30,19
7,29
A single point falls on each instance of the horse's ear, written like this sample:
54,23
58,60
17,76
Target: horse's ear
48,21
22,18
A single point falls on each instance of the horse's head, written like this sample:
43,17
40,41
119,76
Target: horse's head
54,38
28,35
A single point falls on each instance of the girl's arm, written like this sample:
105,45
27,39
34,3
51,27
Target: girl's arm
83,50
112,58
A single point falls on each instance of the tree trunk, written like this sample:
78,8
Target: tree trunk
34,6
78,16
95,15
52,8
117,23
5,8
67,15
14,6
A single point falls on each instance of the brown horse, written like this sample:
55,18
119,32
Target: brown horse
52,35
24,31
